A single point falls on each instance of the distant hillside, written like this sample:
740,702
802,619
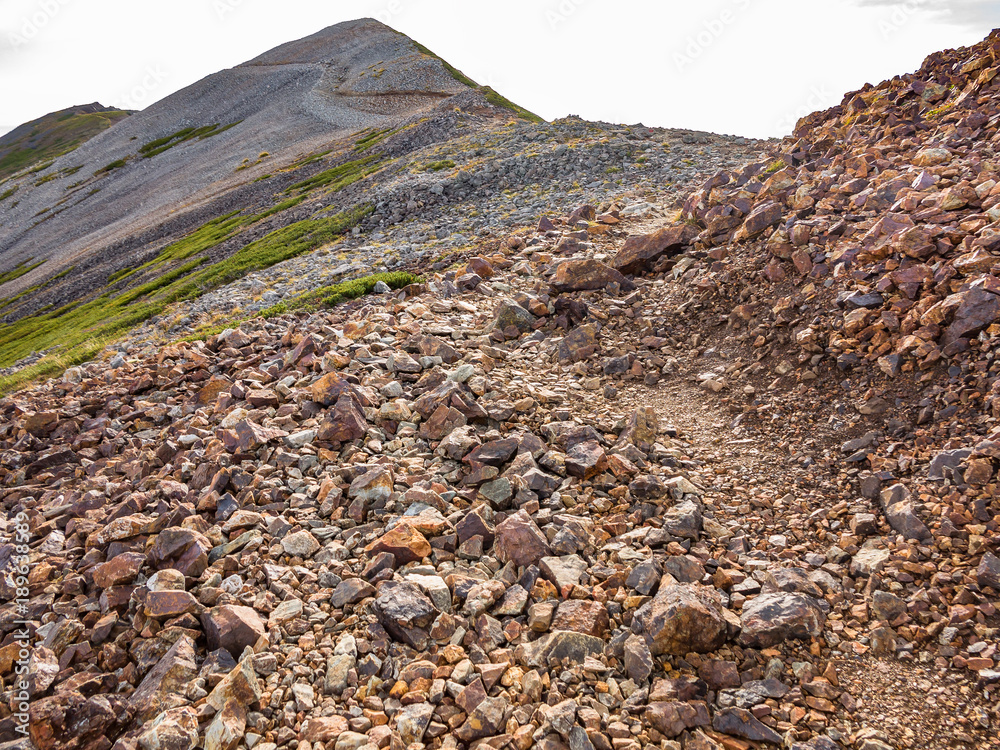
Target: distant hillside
247,167
53,135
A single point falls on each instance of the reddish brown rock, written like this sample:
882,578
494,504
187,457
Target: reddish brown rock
184,550
345,422
263,398
232,627
40,423
329,388
581,213
209,393
588,274
164,685
681,618
640,252
163,604
120,569
769,619
70,721
442,422
520,541
323,728
249,436
761,218
978,308
586,460
404,542
672,718
582,616
579,344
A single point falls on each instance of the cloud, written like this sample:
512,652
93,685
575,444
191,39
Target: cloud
979,15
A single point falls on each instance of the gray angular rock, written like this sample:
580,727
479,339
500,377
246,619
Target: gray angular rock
897,506
557,646
741,723
988,572
405,612
638,659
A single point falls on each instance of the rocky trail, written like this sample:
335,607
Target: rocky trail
691,472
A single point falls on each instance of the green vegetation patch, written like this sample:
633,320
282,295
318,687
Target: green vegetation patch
345,291
153,148
437,166
7,193
375,136
341,176
307,160
77,334
281,244
119,275
41,167
355,288
328,295
25,266
213,233
116,164
499,100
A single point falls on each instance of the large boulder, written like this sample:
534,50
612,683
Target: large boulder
345,422
988,572
978,308
681,618
509,313
640,252
176,729
404,542
769,619
588,274
897,505
559,646
761,218
164,686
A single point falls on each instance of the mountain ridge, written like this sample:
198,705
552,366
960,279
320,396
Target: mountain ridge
226,101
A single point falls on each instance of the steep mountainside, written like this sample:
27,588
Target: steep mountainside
637,439
40,141
237,156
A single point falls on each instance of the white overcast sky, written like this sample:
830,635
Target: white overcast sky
747,67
